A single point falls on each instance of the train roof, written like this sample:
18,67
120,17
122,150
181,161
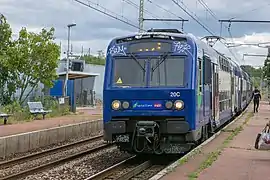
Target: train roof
165,35
176,33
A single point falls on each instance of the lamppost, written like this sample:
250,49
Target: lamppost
68,53
1,87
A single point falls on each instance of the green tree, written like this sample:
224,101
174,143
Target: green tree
35,59
89,59
7,75
266,68
252,71
255,74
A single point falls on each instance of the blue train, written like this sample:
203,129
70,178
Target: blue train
166,91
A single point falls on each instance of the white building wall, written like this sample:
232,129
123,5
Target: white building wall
87,83
98,85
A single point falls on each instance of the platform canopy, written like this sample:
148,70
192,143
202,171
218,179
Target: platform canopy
77,75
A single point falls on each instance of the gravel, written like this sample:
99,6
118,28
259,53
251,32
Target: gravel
13,156
82,168
50,157
148,173
121,171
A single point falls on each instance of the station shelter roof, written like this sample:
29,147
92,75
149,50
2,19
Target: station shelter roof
77,75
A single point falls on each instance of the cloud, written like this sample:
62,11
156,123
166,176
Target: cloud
94,30
247,49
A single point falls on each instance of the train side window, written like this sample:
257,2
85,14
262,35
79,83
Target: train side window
232,85
200,63
222,64
207,70
200,79
216,83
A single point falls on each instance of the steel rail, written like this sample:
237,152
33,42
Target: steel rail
37,155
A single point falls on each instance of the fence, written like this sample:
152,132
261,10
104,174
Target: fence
86,98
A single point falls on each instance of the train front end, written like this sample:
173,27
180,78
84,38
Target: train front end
149,95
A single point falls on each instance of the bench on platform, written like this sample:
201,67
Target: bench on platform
36,108
5,117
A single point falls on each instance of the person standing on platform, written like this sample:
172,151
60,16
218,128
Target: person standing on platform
256,99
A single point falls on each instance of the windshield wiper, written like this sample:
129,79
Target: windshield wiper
161,60
136,60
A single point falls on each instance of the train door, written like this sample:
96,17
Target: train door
236,80
215,94
200,89
232,92
207,82
199,85
241,93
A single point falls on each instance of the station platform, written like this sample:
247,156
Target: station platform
23,126
237,160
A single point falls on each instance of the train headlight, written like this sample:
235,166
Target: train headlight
125,105
179,104
169,104
116,105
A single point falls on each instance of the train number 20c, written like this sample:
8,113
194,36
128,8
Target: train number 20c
175,94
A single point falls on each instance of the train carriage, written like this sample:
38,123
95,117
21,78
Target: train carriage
244,89
166,91
238,76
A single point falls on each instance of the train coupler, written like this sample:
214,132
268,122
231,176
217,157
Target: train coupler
146,128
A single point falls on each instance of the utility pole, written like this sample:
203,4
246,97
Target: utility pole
1,82
68,54
170,20
60,45
141,15
266,67
82,51
71,49
257,55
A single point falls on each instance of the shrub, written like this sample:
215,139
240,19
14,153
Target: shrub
20,114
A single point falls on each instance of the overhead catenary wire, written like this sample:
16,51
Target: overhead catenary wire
241,14
137,7
204,26
215,17
230,21
189,14
202,2
164,9
228,27
251,10
231,37
107,12
145,10
208,9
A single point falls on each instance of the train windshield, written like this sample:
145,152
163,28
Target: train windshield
129,71
167,71
162,71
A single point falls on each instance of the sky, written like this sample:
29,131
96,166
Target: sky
94,30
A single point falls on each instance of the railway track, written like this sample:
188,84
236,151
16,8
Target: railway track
136,167
41,167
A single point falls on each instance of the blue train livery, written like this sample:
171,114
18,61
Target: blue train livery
166,92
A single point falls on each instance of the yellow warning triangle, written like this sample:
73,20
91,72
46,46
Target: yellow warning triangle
119,81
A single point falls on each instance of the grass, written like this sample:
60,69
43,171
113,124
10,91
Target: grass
213,156
192,154
20,114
